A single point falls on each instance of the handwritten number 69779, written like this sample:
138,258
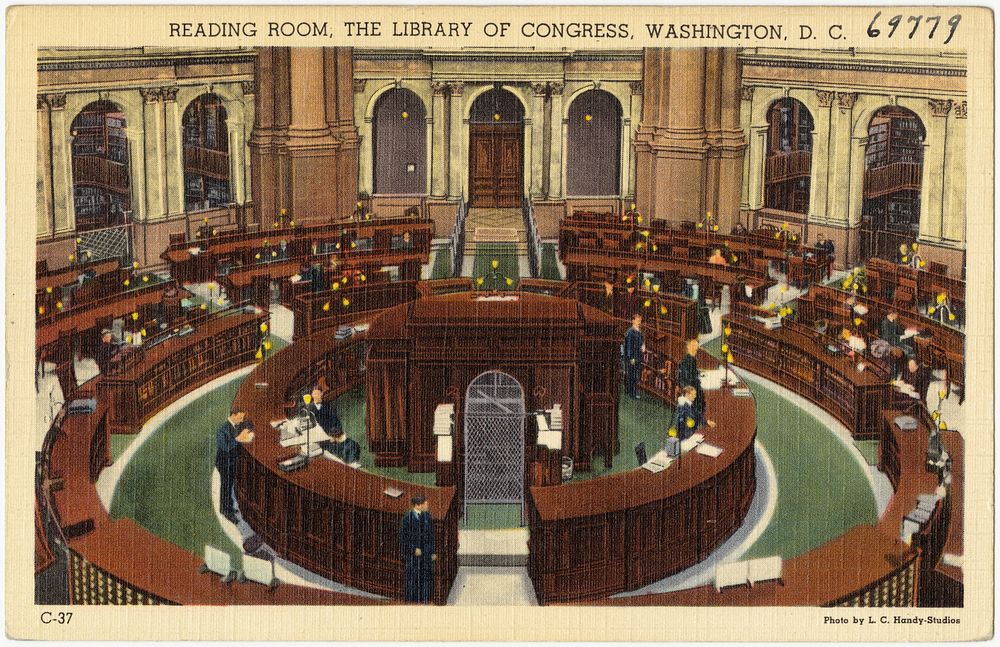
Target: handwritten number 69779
934,21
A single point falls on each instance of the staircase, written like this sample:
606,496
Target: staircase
495,225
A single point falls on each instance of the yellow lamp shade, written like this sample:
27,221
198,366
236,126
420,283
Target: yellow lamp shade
263,327
135,316
204,306
654,247
645,233
135,264
700,225
690,423
943,426
906,259
922,263
784,225
942,394
663,310
735,259
335,286
41,310
777,236
79,240
345,302
326,307
638,218
624,218
128,338
267,345
914,246
935,415
951,317
127,282
405,115
220,301
363,277
259,354
646,283
638,245
343,279
510,281
143,332
857,321
59,304
72,257
672,432
931,310
291,223
353,244
729,357
494,263
770,306
276,225
307,398
941,297
588,117
479,280
145,279
273,254
338,245
725,348
257,256
854,286
496,116
360,205
727,330
629,279
205,220
715,227
631,206
48,290
647,303
656,288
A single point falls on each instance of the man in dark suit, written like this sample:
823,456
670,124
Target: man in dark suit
233,431
106,351
892,331
687,419
632,351
325,413
688,375
416,542
918,377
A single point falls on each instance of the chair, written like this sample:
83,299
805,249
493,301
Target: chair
640,453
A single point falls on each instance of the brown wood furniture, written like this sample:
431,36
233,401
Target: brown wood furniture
324,310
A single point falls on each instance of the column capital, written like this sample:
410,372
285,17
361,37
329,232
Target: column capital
150,95
846,100
540,89
56,101
42,104
825,98
168,93
456,88
961,110
248,87
746,92
940,107
556,88
635,87
439,88
359,85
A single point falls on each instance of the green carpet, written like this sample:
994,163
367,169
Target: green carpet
481,516
550,266
165,487
442,264
506,256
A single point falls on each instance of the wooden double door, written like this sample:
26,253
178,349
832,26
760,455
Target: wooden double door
496,165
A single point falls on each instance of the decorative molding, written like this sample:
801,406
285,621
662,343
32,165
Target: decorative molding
456,88
439,87
540,89
961,110
42,104
248,87
56,101
746,92
150,95
846,100
556,88
635,87
940,107
359,85
112,64
851,67
168,93
825,98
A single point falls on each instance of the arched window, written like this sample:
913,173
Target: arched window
496,150
788,166
206,154
593,163
101,193
894,159
399,129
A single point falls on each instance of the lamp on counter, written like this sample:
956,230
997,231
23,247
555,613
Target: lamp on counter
304,422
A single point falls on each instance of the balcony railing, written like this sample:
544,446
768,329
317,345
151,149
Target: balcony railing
790,165
205,161
888,179
101,172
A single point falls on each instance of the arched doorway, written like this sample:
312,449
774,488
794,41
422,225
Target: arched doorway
894,161
206,154
494,441
593,163
101,181
496,150
399,132
788,166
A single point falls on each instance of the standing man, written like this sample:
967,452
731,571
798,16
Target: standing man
234,430
106,351
893,332
688,375
416,542
632,351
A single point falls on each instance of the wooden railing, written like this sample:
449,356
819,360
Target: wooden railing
206,161
98,171
891,178
786,166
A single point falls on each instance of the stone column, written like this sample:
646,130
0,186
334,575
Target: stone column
843,172
346,133
746,112
635,117
44,207
154,155
755,168
954,225
437,142
540,91
456,144
821,166
536,126
63,208
732,143
174,153
557,131
932,182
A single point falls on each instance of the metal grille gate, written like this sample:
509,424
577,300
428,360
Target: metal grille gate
110,242
494,441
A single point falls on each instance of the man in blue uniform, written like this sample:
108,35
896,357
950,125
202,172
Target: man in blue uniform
233,431
688,419
632,351
416,542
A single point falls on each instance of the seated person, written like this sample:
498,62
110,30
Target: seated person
893,332
106,352
859,309
687,418
325,412
717,258
914,380
854,342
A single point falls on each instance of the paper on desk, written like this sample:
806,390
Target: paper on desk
194,251
709,450
692,442
712,379
909,332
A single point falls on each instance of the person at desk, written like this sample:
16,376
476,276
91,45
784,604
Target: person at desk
824,243
688,375
632,349
892,332
608,299
416,543
687,418
914,380
106,352
717,258
234,431
324,412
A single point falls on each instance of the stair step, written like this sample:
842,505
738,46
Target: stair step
493,547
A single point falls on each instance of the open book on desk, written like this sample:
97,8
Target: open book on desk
659,462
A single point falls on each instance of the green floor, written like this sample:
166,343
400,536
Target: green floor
506,256
550,266
442,264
